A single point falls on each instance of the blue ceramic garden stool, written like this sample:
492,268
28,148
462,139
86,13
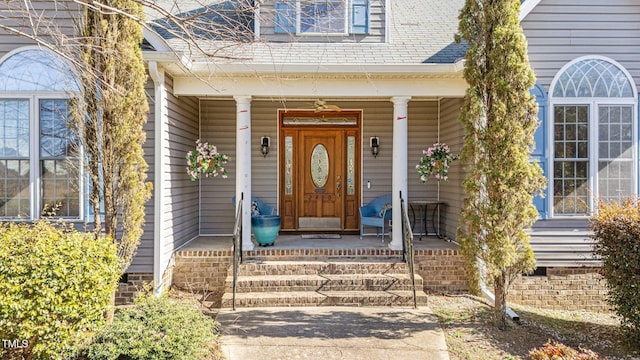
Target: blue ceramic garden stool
265,228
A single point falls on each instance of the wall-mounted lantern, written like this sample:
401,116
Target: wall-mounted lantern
264,145
375,145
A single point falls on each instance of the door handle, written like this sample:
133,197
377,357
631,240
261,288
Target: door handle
338,188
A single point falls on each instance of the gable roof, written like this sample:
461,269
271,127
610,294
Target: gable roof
420,32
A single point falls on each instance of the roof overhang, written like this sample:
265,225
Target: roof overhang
206,79
252,69
526,7
182,66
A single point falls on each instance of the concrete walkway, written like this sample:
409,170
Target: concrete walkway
325,333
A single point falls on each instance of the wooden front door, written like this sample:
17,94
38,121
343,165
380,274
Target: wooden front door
321,180
319,175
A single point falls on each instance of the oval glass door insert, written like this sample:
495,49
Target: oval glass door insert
319,165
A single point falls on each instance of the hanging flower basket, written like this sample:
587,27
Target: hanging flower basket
435,161
206,160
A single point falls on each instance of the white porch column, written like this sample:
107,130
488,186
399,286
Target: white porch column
161,144
243,165
399,169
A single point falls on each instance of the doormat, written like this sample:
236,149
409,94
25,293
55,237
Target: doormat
320,236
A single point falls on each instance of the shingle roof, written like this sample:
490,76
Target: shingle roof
421,31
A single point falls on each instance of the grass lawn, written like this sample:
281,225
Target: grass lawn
468,325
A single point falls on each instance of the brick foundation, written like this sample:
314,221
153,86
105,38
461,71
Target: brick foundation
135,284
201,270
577,288
441,270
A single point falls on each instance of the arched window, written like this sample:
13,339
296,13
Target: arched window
39,162
593,102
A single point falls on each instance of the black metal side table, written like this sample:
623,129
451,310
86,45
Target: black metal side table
424,206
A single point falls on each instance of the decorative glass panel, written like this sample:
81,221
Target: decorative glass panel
615,150
288,167
571,160
36,70
304,120
319,165
351,167
593,78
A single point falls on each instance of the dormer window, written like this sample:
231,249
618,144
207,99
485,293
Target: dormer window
321,17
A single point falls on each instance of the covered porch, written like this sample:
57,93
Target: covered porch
406,110
402,127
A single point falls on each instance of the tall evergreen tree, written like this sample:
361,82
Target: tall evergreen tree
500,117
109,117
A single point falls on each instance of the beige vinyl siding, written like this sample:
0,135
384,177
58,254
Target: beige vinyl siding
218,125
377,121
423,132
559,31
58,19
452,133
376,27
143,260
180,214
264,122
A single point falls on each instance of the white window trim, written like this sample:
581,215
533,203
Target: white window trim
35,190
34,98
593,104
593,144
347,12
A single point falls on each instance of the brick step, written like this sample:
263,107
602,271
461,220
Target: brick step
320,257
325,298
325,282
251,268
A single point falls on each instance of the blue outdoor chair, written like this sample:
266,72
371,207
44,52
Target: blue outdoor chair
376,213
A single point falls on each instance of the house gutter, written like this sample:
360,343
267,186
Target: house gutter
168,57
240,68
157,75
306,69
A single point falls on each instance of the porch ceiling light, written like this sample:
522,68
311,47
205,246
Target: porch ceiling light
264,145
375,145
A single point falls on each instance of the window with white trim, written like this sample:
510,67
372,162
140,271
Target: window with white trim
593,102
321,17
39,163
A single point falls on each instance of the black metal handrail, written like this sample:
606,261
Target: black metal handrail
237,247
407,247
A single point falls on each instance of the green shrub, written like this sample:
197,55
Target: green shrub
558,351
55,285
616,230
156,328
